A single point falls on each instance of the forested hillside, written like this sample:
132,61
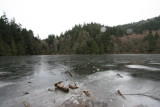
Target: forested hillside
93,38
15,40
139,37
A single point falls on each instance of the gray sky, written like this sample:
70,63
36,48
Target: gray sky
46,17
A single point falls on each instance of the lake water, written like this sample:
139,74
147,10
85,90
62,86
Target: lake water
26,80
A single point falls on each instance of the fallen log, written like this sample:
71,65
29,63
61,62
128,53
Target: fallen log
62,87
118,91
57,83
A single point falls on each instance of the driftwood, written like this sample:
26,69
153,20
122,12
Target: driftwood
122,95
25,104
86,92
120,75
58,85
73,86
62,87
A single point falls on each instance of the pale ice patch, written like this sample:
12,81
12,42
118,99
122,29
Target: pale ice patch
143,67
122,62
2,84
110,65
98,69
110,75
103,29
155,63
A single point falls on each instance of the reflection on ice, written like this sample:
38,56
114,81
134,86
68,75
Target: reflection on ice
143,67
2,84
109,75
108,82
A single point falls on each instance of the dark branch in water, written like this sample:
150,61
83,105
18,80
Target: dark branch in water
141,94
122,95
69,73
68,99
120,75
24,93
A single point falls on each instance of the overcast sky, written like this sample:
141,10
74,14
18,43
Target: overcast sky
46,17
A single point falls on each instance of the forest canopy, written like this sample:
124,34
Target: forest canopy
92,38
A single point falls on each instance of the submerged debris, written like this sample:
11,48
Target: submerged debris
50,89
86,92
62,87
120,75
24,93
135,74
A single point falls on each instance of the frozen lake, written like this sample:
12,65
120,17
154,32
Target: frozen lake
26,80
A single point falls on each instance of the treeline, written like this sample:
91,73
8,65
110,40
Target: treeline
88,39
142,43
152,24
81,39
93,38
15,40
